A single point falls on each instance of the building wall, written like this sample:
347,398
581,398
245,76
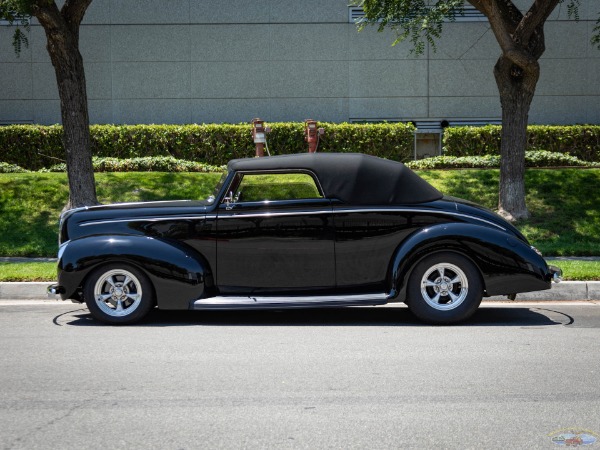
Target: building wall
195,61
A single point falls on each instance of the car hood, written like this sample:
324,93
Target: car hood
125,212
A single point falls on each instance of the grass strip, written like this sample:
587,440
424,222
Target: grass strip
564,203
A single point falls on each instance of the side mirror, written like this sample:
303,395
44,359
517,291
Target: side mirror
229,200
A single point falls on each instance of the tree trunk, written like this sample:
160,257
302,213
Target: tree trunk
62,35
70,76
516,88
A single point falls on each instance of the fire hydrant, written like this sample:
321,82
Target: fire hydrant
312,134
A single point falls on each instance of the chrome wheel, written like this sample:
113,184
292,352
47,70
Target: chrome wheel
444,286
118,293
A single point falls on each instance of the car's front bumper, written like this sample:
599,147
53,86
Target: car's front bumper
555,273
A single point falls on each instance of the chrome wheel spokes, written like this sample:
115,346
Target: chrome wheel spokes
444,286
118,293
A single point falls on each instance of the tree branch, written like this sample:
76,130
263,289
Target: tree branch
501,27
504,18
48,15
536,16
74,10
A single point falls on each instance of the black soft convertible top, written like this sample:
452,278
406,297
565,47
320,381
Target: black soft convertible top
353,178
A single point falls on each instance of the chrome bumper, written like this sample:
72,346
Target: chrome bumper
54,289
556,273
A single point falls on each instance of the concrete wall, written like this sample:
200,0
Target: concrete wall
193,61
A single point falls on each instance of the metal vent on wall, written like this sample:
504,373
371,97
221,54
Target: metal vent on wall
470,14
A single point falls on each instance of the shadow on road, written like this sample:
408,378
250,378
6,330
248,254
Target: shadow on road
356,317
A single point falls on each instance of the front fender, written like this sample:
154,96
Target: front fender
507,264
178,273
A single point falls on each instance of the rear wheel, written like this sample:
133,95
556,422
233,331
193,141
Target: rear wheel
444,288
118,294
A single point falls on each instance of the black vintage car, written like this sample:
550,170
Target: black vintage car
297,231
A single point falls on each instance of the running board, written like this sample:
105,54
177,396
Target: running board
255,302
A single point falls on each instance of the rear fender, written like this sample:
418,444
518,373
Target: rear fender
178,273
507,264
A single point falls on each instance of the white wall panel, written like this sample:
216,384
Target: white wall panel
469,78
150,43
465,107
238,79
16,81
404,78
150,11
150,80
151,111
231,60
15,111
299,79
225,43
396,108
309,42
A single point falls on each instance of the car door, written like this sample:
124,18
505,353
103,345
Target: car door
275,234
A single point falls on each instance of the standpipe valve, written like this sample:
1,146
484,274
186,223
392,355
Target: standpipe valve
259,136
312,134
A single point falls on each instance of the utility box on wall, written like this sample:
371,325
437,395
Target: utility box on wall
428,139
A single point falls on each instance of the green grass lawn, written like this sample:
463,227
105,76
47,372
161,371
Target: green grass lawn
564,203
46,271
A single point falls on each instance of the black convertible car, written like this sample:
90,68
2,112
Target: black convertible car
297,231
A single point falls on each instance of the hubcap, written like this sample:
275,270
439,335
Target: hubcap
118,293
444,286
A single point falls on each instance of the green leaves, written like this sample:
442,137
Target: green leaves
536,158
17,12
418,21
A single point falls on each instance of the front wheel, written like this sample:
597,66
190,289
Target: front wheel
444,288
118,294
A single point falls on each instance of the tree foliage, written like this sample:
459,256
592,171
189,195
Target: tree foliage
17,12
520,36
421,22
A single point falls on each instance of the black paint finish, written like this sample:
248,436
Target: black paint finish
193,250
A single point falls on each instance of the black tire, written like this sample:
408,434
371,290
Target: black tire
118,294
444,288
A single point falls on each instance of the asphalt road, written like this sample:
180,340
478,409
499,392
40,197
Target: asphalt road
512,377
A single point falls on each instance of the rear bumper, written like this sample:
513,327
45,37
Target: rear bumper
54,290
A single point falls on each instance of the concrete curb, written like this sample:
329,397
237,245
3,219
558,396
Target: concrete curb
567,290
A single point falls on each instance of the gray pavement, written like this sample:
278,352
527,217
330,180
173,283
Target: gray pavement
514,376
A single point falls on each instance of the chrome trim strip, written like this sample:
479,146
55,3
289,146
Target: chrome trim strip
251,215
143,219
269,214
258,301
427,211
360,210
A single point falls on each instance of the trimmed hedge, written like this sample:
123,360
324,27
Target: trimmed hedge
581,141
147,164
11,168
35,147
535,158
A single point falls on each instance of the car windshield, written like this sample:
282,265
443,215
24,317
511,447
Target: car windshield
211,198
